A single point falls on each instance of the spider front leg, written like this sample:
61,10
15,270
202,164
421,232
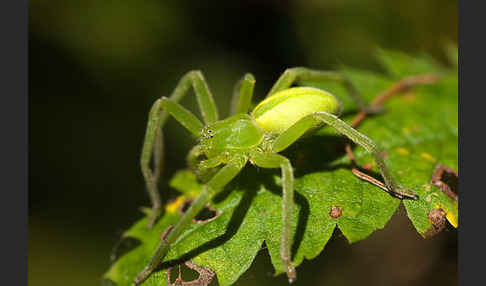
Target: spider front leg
204,169
183,116
279,161
215,185
158,116
294,75
243,94
300,127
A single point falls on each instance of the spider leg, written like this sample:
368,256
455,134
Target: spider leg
243,94
215,185
183,116
158,155
204,169
204,97
279,161
193,157
159,114
300,127
296,74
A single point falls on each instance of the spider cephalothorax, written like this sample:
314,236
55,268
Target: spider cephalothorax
278,121
236,134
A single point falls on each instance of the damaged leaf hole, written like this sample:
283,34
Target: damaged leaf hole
447,180
207,214
190,274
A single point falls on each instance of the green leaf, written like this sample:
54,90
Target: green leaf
417,131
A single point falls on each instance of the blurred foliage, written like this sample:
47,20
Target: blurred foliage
95,67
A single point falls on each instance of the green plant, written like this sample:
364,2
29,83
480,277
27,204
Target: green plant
347,203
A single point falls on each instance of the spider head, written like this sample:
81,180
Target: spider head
237,133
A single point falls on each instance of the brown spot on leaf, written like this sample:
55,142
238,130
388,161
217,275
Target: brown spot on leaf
206,275
446,179
335,212
437,218
207,214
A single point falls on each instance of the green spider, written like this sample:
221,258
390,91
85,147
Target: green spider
278,121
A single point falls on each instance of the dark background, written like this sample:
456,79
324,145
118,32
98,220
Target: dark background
95,68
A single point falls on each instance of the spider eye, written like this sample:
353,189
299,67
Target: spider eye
208,133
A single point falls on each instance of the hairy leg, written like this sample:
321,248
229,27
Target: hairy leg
298,129
399,87
183,116
294,75
215,185
279,161
158,155
157,118
194,157
204,97
243,94
204,169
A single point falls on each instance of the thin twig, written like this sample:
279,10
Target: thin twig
399,87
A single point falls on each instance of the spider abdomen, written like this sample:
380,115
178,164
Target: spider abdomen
281,110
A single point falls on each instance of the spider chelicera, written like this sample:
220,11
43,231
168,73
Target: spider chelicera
279,120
